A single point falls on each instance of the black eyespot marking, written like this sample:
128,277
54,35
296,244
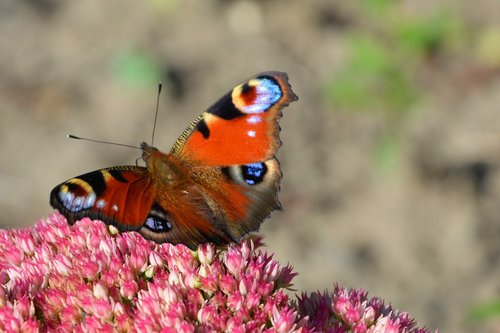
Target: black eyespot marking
270,78
96,180
74,188
203,128
158,220
226,172
156,225
253,173
225,108
117,175
246,88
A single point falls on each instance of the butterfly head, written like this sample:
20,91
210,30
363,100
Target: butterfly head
147,151
163,167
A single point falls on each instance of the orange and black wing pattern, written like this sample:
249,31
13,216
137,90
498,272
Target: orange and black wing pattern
242,127
218,183
120,196
231,148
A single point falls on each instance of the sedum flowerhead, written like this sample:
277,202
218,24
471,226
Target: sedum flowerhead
350,310
54,277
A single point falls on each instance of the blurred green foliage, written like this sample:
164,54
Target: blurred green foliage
426,36
487,47
386,153
385,61
486,311
377,6
382,70
137,69
164,6
371,79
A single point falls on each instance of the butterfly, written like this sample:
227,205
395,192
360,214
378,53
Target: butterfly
218,183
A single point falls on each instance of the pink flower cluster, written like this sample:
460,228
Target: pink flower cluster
350,310
54,277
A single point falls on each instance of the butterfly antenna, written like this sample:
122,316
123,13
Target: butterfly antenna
156,112
71,136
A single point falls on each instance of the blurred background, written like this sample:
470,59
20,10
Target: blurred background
390,157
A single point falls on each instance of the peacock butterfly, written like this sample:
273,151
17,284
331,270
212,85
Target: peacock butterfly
219,181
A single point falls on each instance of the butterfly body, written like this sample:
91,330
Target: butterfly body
218,183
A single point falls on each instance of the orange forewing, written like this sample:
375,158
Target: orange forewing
240,128
230,142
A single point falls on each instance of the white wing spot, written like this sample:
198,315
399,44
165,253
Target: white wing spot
251,134
115,208
254,119
77,204
89,200
66,198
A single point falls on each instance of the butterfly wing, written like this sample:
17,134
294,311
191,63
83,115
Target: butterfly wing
196,204
242,127
120,196
230,151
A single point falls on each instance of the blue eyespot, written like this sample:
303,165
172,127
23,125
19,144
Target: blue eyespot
157,225
268,92
253,173
158,220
